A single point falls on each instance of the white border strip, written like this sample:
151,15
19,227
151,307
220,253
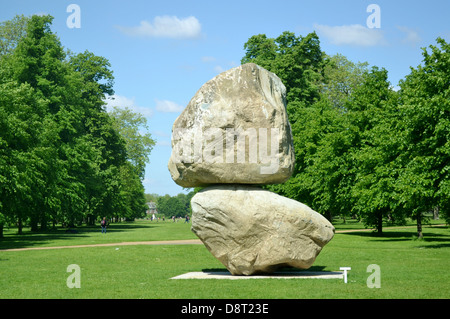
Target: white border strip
279,275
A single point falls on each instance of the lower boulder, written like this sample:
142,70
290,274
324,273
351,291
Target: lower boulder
252,230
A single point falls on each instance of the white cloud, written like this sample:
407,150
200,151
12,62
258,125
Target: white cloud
219,69
163,143
160,133
166,27
207,59
355,34
164,138
412,37
41,14
125,102
118,101
168,106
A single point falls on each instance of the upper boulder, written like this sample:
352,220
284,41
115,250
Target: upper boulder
234,130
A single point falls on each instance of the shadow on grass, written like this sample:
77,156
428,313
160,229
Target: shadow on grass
31,239
441,240
437,246
280,270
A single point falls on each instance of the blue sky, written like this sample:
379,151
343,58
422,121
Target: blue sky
162,52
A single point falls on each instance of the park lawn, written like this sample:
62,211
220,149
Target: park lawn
140,230
409,268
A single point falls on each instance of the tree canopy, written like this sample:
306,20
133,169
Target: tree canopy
362,148
63,158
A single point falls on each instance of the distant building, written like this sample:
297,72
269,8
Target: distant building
151,211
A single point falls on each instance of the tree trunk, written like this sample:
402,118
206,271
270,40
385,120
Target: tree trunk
44,222
90,220
34,223
419,226
19,226
380,223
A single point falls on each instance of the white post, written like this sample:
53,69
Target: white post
345,272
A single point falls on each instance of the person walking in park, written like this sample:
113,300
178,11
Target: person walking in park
103,224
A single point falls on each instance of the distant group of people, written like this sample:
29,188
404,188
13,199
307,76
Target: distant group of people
173,218
186,219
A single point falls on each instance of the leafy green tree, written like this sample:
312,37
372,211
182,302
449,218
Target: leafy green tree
372,115
297,60
178,206
21,153
424,108
11,32
132,200
317,86
151,197
77,129
138,145
62,157
337,110
97,75
341,77
163,207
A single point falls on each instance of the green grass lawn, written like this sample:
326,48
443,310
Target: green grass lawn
141,230
409,268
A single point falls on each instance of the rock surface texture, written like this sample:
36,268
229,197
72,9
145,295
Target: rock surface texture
234,130
251,230
233,136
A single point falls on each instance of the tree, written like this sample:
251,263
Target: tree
178,206
21,154
62,157
341,77
424,108
319,88
138,145
151,197
298,61
372,114
338,112
132,200
11,32
36,66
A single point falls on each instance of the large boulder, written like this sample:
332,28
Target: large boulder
251,230
234,130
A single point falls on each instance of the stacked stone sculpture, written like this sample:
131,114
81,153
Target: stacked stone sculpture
233,137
